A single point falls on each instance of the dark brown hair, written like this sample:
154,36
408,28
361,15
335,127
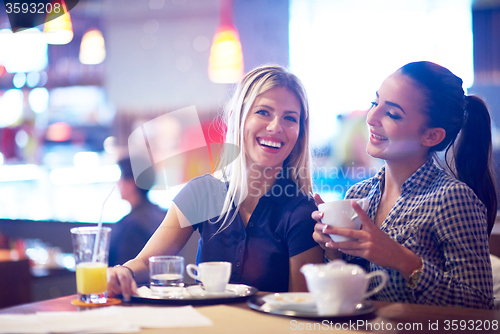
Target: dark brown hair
464,117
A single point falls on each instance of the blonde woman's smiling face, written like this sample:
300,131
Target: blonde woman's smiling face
272,127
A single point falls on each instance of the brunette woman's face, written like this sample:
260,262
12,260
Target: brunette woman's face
272,127
396,121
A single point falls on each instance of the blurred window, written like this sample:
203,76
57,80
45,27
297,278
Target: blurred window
343,49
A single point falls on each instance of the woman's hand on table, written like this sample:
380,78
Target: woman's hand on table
120,281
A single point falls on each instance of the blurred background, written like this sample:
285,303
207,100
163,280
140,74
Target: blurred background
69,106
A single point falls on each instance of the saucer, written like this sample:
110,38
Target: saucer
297,301
232,290
111,301
196,295
258,303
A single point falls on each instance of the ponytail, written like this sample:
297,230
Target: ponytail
445,106
472,155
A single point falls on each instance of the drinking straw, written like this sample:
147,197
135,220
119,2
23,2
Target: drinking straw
99,227
164,170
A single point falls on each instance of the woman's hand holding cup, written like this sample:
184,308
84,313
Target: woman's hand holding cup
336,222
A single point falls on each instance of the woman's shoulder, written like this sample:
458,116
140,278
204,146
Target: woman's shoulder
457,209
202,187
201,199
432,180
203,179
205,183
446,184
450,197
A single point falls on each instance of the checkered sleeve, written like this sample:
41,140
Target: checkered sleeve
460,232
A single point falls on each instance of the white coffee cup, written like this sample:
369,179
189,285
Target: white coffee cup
214,276
341,214
338,287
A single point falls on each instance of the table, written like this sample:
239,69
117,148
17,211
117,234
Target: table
239,318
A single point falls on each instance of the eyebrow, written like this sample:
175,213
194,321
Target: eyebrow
272,109
393,104
263,105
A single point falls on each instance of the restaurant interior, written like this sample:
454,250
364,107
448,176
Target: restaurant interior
69,108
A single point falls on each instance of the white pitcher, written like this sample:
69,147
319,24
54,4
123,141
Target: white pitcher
338,287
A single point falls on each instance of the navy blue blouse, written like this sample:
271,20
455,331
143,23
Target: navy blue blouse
280,227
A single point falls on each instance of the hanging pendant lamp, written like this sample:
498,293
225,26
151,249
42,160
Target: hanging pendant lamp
58,30
92,48
225,64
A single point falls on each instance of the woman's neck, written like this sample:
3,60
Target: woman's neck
260,180
397,172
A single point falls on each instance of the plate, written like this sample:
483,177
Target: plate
195,295
259,304
232,290
294,301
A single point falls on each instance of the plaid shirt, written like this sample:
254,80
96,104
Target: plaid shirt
440,219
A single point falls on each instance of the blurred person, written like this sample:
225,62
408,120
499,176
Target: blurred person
349,145
256,213
4,241
130,234
427,227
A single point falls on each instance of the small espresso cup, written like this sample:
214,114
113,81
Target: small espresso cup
341,214
214,276
338,287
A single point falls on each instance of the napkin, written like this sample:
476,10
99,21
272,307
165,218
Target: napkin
113,319
163,317
144,292
102,320
21,323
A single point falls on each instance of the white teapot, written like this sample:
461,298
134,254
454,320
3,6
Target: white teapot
338,287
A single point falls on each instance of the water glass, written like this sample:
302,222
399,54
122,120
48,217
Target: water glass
166,276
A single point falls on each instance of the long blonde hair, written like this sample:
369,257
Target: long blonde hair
297,165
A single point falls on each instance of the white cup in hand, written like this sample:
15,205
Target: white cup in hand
341,214
338,287
213,275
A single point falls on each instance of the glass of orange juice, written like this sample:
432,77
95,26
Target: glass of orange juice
91,249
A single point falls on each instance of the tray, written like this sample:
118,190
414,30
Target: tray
258,303
195,295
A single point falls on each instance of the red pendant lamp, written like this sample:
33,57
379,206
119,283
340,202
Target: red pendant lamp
225,64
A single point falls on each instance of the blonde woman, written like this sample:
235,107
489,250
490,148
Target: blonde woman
256,213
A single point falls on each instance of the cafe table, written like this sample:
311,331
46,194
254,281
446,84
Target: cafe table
240,318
